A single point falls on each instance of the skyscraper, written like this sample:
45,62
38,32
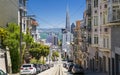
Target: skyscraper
68,20
67,37
72,28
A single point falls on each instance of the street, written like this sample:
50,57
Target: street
58,69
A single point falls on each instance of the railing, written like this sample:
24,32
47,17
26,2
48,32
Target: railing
88,12
21,6
89,28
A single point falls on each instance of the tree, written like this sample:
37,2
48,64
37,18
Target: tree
39,50
55,54
35,50
28,40
12,41
45,51
3,35
33,61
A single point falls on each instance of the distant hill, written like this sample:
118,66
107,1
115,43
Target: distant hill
50,30
45,31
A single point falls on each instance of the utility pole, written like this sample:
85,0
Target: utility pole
20,37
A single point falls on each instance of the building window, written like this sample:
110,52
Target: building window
105,6
24,27
105,29
95,20
89,39
95,3
115,1
104,43
101,18
95,39
95,11
118,14
100,6
104,17
20,1
95,30
107,43
114,14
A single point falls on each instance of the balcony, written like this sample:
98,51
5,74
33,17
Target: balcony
113,24
104,49
95,45
89,40
88,12
89,28
22,7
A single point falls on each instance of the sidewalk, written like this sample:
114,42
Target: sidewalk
95,73
14,74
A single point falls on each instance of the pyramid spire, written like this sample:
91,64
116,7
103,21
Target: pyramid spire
67,19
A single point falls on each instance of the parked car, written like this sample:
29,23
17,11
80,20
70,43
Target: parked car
41,67
37,68
28,69
67,65
2,72
64,65
44,67
70,67
48,66
77,69
51,65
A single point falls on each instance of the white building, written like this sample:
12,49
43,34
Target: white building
67,37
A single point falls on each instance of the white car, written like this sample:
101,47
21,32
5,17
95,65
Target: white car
28,69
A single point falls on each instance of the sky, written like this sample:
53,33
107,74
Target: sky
52,13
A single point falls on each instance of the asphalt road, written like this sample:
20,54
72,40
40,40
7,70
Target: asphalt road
58,69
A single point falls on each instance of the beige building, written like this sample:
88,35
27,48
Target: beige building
78,53
104,47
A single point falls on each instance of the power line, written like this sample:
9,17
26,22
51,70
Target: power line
43,20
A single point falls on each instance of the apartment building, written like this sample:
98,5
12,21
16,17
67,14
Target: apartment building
105,26
32,26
